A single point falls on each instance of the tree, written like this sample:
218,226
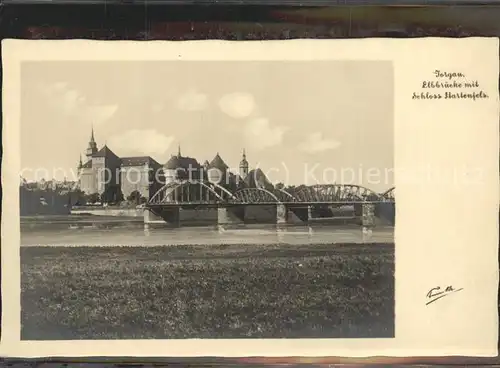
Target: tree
134,197
92,198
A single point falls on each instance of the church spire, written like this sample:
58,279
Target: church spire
243,165
80,164
92,148
179,150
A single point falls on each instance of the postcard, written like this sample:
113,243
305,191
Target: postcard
237,199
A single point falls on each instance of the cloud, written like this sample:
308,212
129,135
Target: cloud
237,105
62,97
72,102
316,143
141,142
100,114
260,134
192,101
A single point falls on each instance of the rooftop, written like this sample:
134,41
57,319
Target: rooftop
139,161
218,163
105,152
181,162
257,179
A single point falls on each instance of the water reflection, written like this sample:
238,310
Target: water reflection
367,234
137,234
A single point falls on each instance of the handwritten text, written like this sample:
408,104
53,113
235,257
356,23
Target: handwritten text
437,293
444,85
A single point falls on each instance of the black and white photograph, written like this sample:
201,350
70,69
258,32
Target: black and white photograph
207,199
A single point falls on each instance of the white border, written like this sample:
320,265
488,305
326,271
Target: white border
437,239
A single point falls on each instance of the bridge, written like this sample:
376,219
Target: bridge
292,206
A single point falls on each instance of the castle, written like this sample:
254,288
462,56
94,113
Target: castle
106,173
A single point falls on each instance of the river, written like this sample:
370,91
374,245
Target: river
111,232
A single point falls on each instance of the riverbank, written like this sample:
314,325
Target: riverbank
74,219
208,291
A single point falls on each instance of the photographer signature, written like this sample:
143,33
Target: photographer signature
437,293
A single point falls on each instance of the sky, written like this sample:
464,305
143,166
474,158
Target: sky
301,122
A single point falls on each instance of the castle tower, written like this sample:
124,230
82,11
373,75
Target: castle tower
243,166
80,166
92,148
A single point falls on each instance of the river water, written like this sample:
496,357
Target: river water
104,232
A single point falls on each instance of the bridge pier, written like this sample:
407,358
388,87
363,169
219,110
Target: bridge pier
166,216
292,215
234,215
368,215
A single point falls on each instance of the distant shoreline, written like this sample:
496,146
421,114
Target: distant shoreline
72,219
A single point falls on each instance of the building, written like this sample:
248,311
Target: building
180,167
106,173
101,173
243,166
117,178
217,171
140,174
257,179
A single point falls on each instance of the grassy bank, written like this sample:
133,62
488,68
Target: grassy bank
208,292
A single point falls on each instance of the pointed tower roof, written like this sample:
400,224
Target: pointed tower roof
105,152
181,162
244,162
218,163
257,179
92,147
173,163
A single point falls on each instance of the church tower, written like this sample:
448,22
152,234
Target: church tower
80,166
244,166
92,148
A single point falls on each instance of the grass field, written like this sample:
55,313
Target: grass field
226,291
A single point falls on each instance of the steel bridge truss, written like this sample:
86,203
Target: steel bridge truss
199,192
255,195
185,192
389,195
336,193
